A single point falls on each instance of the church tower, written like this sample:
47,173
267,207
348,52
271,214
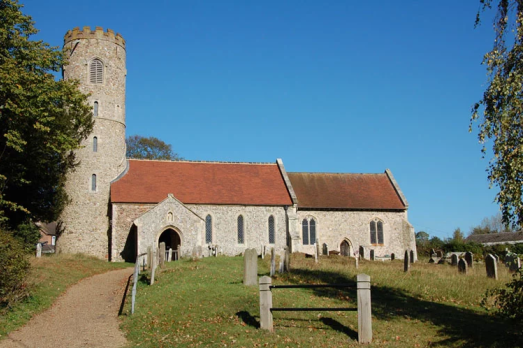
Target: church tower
97,59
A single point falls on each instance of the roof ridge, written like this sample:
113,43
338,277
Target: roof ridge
199,161
323,173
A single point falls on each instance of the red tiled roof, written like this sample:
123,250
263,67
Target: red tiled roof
345,191
201,183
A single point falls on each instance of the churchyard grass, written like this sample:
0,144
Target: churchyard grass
49,277
204,303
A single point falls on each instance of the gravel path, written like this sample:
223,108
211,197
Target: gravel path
86,315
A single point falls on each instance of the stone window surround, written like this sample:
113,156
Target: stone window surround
376,220
316,224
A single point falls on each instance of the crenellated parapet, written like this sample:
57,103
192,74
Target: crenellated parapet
98,33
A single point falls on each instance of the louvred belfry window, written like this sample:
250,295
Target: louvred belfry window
96,71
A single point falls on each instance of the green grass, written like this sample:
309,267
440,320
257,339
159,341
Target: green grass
49,277
203,303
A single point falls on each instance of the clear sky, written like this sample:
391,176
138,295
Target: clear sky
328,86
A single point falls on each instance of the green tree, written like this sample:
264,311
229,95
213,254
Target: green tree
149,148
41,121
457,236
500,111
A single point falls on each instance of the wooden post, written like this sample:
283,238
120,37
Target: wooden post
265,303
364,309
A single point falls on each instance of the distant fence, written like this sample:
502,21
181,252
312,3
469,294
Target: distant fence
363,309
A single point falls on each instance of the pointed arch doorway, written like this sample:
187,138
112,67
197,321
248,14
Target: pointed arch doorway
346,248
171,238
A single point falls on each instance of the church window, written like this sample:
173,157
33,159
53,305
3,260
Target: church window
93,182
308,229
376,232
272,234
208,229
96,71
95,144
240,230
95,109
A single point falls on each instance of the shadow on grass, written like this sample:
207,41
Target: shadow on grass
463,327
337,326
248,319
124,297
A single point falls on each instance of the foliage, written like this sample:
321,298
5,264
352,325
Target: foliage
457,236
42,121
13,271
28,233
149,148
500,111
494,224
508,301
422,237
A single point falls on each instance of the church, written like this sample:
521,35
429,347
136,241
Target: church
119,207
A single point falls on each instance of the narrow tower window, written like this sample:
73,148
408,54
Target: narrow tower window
208,229
96,71
93,182
272,236
95,109
95,144
240,229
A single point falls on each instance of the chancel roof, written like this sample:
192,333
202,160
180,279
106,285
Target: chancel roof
148,181
346,191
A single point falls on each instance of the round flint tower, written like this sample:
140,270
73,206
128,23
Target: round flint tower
97,59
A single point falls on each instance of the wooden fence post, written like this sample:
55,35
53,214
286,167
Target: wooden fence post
364,309
265,303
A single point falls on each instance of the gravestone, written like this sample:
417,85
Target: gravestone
441,261
439,254
315,253
273,262
412,256
162,254
170,255
150,258
406,263
262,252
357,262
454,260
496,257
469,257
325,249
432,252
38,249
362,253
434,259
372,255
513,262
491,266
287,260
250,267
462,266
392,257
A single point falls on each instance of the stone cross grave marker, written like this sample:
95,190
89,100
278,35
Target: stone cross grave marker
162,254
462,266
454,260
273,262
469,257
491,265
406,263
38,249
372,255
250,267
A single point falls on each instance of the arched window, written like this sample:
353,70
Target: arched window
208,229
96,71
95,109
308,229
95,144
93,182
376,232
272,234
240,229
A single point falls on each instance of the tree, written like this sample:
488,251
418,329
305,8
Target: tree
149,148
457,236
422,238
500,111
42,121
494,224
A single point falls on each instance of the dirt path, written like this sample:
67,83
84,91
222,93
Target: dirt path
84,316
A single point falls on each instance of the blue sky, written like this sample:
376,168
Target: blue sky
328,86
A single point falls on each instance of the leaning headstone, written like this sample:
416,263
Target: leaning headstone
469,257
325,249
406,263
412,256
372,255
250,267
462,266
392,256
362,253
454,260
273,262
170,255
496,257
162,254
287,260
38,249
491,266
513,262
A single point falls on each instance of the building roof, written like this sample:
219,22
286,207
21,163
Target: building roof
496,238
47,228
346,191
148,181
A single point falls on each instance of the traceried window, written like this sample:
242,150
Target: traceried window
240,230
208,229
272,233
96,71
376,232
95,144
93,182
308,230
95,109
